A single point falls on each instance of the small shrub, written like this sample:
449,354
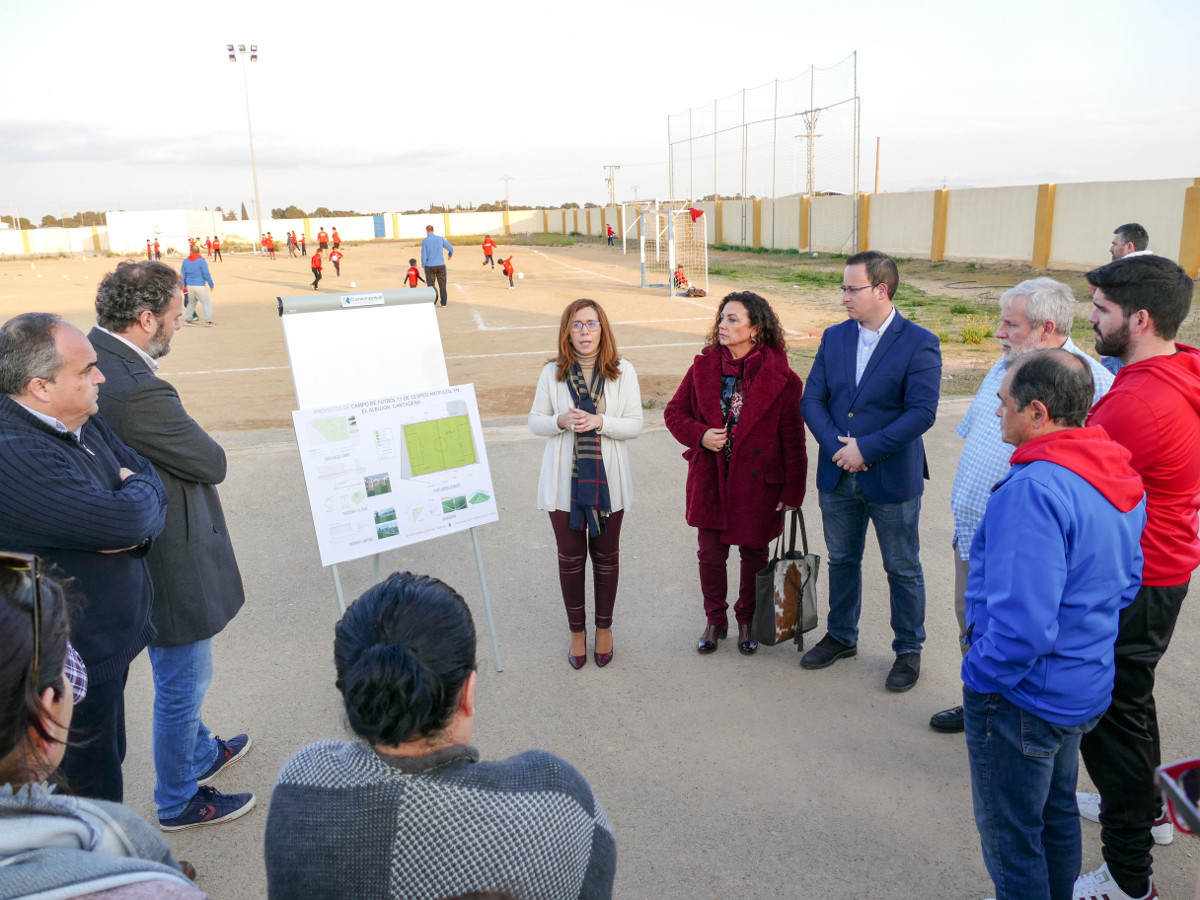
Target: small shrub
943,337
649,403
959,308
975,334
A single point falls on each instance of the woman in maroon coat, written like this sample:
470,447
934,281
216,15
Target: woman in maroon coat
738,413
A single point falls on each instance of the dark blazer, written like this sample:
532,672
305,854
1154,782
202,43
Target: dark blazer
768,463
888,411
197,585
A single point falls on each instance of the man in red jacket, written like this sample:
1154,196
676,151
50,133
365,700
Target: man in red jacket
1153,409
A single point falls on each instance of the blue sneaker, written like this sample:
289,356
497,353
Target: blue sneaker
209,807
228,752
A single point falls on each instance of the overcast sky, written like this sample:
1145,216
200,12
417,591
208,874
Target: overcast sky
378,106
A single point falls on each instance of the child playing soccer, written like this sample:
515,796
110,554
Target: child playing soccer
335,257
414,274
508,270
316,268
489,247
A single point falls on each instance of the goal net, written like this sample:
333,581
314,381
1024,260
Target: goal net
673,245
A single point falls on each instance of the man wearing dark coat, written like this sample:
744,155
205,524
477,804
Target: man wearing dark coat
197,586
872,392
74,494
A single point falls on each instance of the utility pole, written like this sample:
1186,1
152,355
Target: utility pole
635,190
611,181
810,135
877,165
241,52
506,179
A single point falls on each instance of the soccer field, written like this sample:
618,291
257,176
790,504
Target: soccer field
235,376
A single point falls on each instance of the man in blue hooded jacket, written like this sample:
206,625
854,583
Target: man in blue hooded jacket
1054,561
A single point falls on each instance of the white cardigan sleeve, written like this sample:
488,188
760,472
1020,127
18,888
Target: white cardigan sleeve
543,417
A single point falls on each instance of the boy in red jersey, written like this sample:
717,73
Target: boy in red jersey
489,247
414,274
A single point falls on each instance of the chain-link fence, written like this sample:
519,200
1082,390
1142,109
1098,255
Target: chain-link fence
788,138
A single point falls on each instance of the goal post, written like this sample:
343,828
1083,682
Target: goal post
673,238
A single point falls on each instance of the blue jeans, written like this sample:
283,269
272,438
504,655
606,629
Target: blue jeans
845,513
1023,774
183,748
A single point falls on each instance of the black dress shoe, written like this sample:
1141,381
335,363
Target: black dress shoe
828,651
746,643
905,672
948,721
712,635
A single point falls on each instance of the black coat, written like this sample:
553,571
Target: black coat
197,585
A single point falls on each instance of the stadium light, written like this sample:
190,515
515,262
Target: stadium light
233,57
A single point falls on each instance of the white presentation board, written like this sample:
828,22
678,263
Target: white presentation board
388,472
343,347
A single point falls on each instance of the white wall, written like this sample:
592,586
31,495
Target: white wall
901,224
1086,214
833,224
990,223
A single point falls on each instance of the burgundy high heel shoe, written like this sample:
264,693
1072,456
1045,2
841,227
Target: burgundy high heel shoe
577,662
603,659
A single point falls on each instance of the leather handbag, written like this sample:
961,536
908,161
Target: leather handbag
786,590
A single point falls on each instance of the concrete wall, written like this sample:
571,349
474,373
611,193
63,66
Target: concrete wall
1071,225
1086,214
833,224
901,224
990,223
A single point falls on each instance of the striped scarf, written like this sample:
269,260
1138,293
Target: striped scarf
590,504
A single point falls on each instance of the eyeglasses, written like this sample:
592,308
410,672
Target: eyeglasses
589,326
27,562
1180,783
73,667
846,289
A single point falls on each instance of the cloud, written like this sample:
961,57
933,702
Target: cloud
80,143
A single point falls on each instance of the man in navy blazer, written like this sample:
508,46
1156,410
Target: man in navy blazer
872,393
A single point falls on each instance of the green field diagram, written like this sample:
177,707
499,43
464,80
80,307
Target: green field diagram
439,444
453,504
480,497
332,430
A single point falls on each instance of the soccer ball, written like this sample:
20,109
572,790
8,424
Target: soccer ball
354,284
520,274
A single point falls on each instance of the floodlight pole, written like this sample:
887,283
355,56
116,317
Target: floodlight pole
241,51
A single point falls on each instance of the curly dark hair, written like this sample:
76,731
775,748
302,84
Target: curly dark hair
762,317
131,289
403,652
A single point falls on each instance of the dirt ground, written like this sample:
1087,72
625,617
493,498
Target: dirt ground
235,376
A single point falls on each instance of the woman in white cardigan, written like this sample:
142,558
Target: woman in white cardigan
587,406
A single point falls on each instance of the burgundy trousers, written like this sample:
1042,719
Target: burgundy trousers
714,580
574,546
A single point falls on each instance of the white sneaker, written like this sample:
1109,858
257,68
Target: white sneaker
1163,831
1099,885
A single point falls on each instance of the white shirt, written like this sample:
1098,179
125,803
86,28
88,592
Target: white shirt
867,342
50,420
149,360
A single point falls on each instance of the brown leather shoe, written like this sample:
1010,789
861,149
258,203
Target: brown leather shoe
711,637
746,642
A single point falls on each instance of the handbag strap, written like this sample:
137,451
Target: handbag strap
797,518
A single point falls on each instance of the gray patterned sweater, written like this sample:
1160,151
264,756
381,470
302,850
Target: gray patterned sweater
347,823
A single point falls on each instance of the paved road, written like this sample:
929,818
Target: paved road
723,775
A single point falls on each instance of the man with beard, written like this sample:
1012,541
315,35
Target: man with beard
1153,410
197,587
1035,315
